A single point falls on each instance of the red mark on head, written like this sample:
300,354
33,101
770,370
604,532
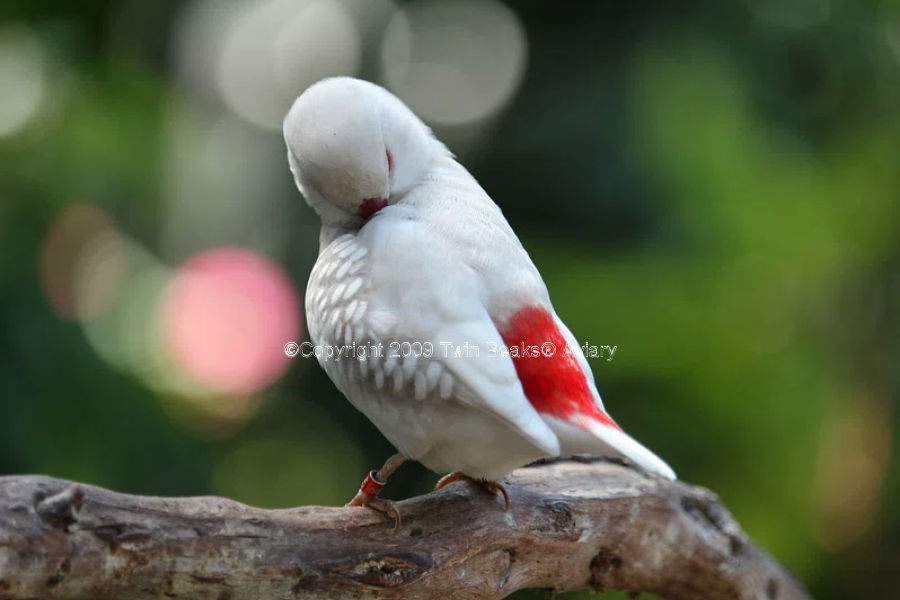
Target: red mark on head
390,160
553,381
370,206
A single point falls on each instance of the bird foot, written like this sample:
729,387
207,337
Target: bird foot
493,487
381,505
496,489
450,478
368,496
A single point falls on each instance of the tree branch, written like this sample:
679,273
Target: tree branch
573,523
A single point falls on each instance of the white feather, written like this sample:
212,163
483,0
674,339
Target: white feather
439,265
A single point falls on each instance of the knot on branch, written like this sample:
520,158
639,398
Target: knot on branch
59,509
386,570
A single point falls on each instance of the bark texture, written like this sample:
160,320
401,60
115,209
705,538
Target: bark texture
573,523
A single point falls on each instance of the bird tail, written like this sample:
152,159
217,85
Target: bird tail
593,437
630,448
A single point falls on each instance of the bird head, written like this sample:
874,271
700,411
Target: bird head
355,148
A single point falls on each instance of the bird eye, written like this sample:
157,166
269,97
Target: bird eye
390,160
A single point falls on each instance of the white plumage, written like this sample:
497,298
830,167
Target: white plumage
413,250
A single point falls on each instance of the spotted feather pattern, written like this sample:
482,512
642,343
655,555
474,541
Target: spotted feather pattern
341,317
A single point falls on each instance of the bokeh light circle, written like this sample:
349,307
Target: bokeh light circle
226,315
83,262
454,61
274,49
22,77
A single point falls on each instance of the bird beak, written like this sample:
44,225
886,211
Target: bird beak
370,206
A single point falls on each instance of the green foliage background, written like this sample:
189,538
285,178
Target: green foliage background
716,196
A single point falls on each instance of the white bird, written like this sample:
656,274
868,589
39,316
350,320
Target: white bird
476,374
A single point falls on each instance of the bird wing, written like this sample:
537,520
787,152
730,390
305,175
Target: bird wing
558,382
395,286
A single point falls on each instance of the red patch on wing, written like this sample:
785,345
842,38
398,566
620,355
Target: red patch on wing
553,381
370,206
390,160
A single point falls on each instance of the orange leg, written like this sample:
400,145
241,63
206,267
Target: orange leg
371,486
492,486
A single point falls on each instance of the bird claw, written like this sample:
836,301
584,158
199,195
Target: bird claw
497,489
493,487
450,478
388,508
379,504
368,496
